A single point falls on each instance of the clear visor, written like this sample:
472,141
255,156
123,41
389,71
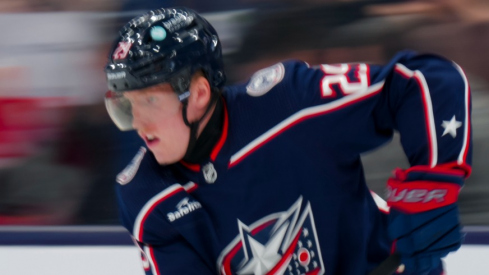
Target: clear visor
119,109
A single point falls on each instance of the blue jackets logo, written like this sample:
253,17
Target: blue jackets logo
184,207
280,243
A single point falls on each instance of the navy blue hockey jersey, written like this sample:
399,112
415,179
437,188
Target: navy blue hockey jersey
283,191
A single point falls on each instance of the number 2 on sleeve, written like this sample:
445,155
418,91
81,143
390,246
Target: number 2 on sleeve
348,78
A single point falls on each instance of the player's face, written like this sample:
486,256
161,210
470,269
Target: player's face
157,117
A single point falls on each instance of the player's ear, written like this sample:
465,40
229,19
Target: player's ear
200,92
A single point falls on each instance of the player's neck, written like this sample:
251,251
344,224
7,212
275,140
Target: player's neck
209,137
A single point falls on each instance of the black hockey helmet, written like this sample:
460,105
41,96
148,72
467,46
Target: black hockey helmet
163,45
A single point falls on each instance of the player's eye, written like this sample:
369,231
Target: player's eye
150,99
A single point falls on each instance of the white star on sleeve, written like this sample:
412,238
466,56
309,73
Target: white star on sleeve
451,126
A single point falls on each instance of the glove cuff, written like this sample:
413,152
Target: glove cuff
415,191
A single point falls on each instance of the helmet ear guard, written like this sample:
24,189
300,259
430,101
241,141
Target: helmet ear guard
181,83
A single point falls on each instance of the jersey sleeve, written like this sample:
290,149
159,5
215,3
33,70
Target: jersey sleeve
431,108
356,107
425,98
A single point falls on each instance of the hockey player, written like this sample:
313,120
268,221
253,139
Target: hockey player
265,177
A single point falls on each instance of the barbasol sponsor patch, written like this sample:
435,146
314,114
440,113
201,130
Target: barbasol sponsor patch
129,172
183,208
265,79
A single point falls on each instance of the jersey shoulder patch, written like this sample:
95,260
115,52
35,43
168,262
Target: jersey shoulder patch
131,169
264,80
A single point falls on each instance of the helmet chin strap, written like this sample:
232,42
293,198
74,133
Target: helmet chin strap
194,126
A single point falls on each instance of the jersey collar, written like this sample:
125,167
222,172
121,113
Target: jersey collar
217,146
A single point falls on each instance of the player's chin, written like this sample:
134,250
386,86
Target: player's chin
165,158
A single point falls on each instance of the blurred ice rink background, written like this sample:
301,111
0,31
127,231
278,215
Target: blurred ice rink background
59,152
103,260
